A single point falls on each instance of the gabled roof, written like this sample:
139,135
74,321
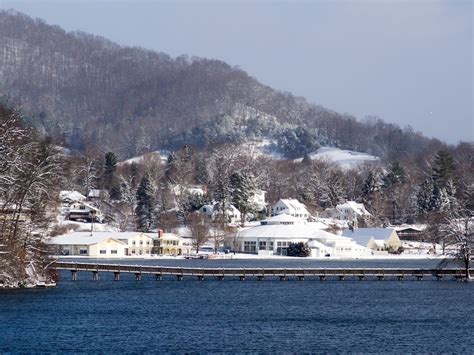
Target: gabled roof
72,195
358,208
292,203
363,235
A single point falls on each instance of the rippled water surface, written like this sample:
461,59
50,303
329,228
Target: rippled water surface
233,316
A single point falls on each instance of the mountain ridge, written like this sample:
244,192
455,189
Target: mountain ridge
86,90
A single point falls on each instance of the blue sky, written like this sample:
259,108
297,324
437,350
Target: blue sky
408,62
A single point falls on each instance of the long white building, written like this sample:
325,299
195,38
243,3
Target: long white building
275,234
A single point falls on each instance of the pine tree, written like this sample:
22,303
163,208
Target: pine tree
145,209
243,187
396,176
425,196
443,168
110,183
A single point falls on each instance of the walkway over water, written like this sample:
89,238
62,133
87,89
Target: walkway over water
260,273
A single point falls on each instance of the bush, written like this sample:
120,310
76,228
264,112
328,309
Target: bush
299,250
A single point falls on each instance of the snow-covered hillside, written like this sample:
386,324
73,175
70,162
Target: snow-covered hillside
162,156
345,159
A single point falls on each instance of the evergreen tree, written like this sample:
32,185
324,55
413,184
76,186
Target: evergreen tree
443,168
371,186
243,187
145,209
110,182
396,176
425,196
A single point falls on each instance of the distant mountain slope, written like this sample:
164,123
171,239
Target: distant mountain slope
87,90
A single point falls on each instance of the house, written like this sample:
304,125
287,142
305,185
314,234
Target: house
96,194
67,197
199,190
232,213
348,211
82,211
258,200
275,234
376,239
410,232
97,245
137,244
103,244
172,244
291,207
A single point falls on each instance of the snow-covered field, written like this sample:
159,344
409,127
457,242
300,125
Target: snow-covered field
345,159
158,154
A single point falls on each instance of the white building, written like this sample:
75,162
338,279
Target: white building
172,244
291,207
275,234
348,211
376,239
98,245
67,196
138,244
104,244
232,213
258,200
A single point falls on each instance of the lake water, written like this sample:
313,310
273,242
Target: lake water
232,316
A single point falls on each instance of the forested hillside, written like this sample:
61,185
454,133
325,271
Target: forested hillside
87,91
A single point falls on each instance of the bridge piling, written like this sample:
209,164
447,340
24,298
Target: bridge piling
73,275
95,275
116,276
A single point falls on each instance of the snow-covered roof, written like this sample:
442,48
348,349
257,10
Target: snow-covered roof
72,195
95,193
286,231
358,208
363,235
415,227
314,244
85,238
293,203
170,236
81,238
282,219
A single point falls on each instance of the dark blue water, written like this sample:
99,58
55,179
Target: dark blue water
233,316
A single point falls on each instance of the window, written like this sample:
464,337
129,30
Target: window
204,209
133,251
140,252
250,246
102,251
83,251
141,242
262,245
147,242
148,251
133,242
113,251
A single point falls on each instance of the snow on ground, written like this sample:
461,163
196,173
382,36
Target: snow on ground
159,154
86,227
345,159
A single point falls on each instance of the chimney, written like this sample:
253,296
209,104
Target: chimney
160,233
